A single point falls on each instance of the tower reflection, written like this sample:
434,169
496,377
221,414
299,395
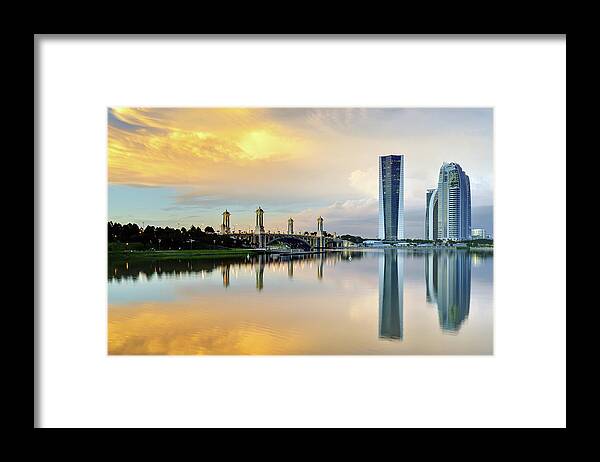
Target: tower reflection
225,274
260,273
448,284
391,295
320,267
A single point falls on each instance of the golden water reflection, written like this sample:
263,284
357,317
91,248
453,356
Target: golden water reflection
343,302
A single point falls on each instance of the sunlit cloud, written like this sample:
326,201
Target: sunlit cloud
182,147
365,181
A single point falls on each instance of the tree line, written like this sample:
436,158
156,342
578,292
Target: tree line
132,237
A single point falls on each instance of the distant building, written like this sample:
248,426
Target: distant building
391,197
478,233
290,229
374,243
431,215
454,203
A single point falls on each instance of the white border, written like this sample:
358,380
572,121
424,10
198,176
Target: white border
523,384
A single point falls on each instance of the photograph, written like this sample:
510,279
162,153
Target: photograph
300,230
246,231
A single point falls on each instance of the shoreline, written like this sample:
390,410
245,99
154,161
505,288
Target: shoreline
228,253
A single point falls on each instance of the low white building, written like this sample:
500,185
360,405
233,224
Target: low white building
478,233
374,243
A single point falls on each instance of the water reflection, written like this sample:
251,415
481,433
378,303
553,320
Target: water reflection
320,267
448,285
225,275
338,302
391,295
147,269
260,272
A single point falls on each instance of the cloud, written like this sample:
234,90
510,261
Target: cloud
182,147
359,216
365,181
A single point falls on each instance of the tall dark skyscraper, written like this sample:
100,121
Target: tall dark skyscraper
391,197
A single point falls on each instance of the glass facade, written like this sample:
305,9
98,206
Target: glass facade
391,197
454,203
431,215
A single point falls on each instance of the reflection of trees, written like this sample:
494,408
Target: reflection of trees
133,269
391,295
118,270
448,284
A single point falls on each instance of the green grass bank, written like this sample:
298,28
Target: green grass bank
154,255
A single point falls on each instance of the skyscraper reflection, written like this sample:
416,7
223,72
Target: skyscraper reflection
431,277
391,295
448,284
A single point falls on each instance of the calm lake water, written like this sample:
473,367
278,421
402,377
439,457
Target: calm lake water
392,301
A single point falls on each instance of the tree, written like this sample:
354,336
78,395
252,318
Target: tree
168,238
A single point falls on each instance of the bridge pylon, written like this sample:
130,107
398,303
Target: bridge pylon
321,237
259,229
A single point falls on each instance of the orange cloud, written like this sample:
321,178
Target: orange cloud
190,146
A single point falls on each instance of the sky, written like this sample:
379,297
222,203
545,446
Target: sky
184,166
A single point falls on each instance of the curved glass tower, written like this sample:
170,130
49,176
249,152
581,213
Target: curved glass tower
391,197
454,203
431,215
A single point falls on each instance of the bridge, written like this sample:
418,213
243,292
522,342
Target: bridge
258,238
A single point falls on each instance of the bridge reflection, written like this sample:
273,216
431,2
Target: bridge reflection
148,269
